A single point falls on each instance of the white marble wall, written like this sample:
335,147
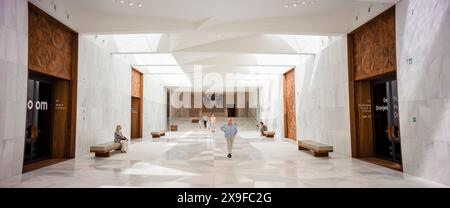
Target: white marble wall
104,93
13,82
323,98
271,109
155,105
423,34
253,110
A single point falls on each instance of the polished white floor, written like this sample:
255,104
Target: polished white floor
193,157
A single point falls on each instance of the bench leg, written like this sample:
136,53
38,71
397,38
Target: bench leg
102,154
301,148
320,154
155,136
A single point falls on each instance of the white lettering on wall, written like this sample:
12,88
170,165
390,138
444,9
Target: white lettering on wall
381,108
30,105
38,105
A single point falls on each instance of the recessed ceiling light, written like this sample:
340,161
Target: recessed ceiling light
294,5
139,4
122,1
286,6
131,3
303,2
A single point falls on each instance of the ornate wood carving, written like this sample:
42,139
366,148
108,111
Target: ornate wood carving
136,84
374,47
289,105
50,45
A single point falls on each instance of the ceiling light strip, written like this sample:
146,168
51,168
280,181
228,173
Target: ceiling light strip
129,3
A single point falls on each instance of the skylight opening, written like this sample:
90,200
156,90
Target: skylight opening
137,42
279,59
161,69
159,59
306,43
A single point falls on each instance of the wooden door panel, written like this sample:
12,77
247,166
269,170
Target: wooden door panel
289,105
135,119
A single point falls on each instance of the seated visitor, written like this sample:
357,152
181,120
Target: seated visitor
119,138
262,128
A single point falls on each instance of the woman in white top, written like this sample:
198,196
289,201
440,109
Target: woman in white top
119,138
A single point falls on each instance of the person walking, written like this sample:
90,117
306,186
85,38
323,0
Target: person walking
205,121
230,130
212,122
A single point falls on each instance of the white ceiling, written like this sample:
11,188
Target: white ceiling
252,38
261,16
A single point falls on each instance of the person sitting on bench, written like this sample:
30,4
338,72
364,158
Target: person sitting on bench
119,138
262,128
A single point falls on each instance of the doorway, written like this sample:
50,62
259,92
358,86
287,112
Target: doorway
386,128
38,133
137,82
231,110
51,91
374,113
135,118
290,123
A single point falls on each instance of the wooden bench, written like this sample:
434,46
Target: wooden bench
195,120
318,149
269,134
174,128
105,149
158,134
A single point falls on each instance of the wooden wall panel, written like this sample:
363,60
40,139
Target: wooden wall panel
53,51
61,120
73,97
371,55
289,105
228,97
136,84
363,97
374,47
50,45
135,118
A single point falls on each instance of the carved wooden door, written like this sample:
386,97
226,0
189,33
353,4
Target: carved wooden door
289,105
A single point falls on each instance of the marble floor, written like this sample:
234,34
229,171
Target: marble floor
193,157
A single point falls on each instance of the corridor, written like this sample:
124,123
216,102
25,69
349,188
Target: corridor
194,157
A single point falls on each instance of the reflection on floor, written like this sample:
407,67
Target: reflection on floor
41,164
193,157
385,163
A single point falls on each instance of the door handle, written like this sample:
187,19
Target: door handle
390,132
